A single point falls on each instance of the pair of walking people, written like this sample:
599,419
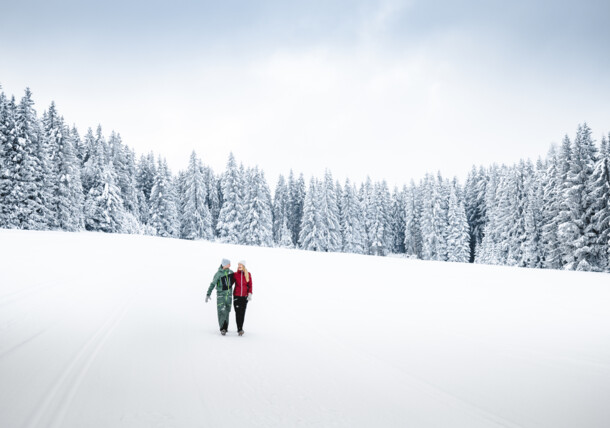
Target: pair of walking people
231,287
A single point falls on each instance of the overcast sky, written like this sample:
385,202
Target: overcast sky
392,89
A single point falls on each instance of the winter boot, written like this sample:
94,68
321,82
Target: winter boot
223,332
240,332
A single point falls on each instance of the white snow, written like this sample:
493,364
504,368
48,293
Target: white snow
102,330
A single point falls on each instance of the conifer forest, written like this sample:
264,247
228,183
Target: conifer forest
552,213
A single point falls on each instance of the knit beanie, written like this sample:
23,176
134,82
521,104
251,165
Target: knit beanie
226,262
242,262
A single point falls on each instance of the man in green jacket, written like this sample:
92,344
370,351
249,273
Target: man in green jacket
223,281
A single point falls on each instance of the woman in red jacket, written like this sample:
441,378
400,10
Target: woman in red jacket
242,294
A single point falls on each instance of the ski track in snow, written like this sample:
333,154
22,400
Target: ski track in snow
52,410
112,330
26,292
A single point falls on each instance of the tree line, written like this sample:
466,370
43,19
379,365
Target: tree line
554,213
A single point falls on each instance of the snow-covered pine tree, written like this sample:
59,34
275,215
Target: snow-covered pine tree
24,188
475,207
329,215
78,146
123,160
604,149
145,180
489,251
458,237
413,208
230,220
196,219
212,197
551,188
385,201
258,218
367,202
576,231
510,221
64,178
339,197
311,235
378,217
599,185
296,192
163,203
180,186
430,238
352,229
564,160
103,206
398,220
94,156
439,217
285,236
280,208
533,249
7,115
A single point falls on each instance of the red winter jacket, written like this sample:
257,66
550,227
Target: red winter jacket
242,287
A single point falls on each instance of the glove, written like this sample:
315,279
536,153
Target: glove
207,299
249,297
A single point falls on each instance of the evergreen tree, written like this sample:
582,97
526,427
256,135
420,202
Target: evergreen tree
311,236
398,220
258,219
441,216
280,208
329,215
429,233
352,229
577,230
285,236
145,180
212,196
196,219
103,210
379,228
600,221
367,202
296,192
458,237
510,220
489,251
103,207
24,190
163,209
7,117
64,173
551,202
413,235
533,249
94,156
475,190
78,146
123,160
231,212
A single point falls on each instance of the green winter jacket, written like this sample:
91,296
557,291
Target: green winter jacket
223,281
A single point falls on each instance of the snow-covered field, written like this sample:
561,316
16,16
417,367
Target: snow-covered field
112,331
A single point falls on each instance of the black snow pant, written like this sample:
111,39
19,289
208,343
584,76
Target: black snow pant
240,304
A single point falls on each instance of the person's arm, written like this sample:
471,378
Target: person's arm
213,284
250,285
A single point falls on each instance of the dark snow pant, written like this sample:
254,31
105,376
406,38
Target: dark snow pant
240,304
223,303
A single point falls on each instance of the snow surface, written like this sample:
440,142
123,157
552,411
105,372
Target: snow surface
100,330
